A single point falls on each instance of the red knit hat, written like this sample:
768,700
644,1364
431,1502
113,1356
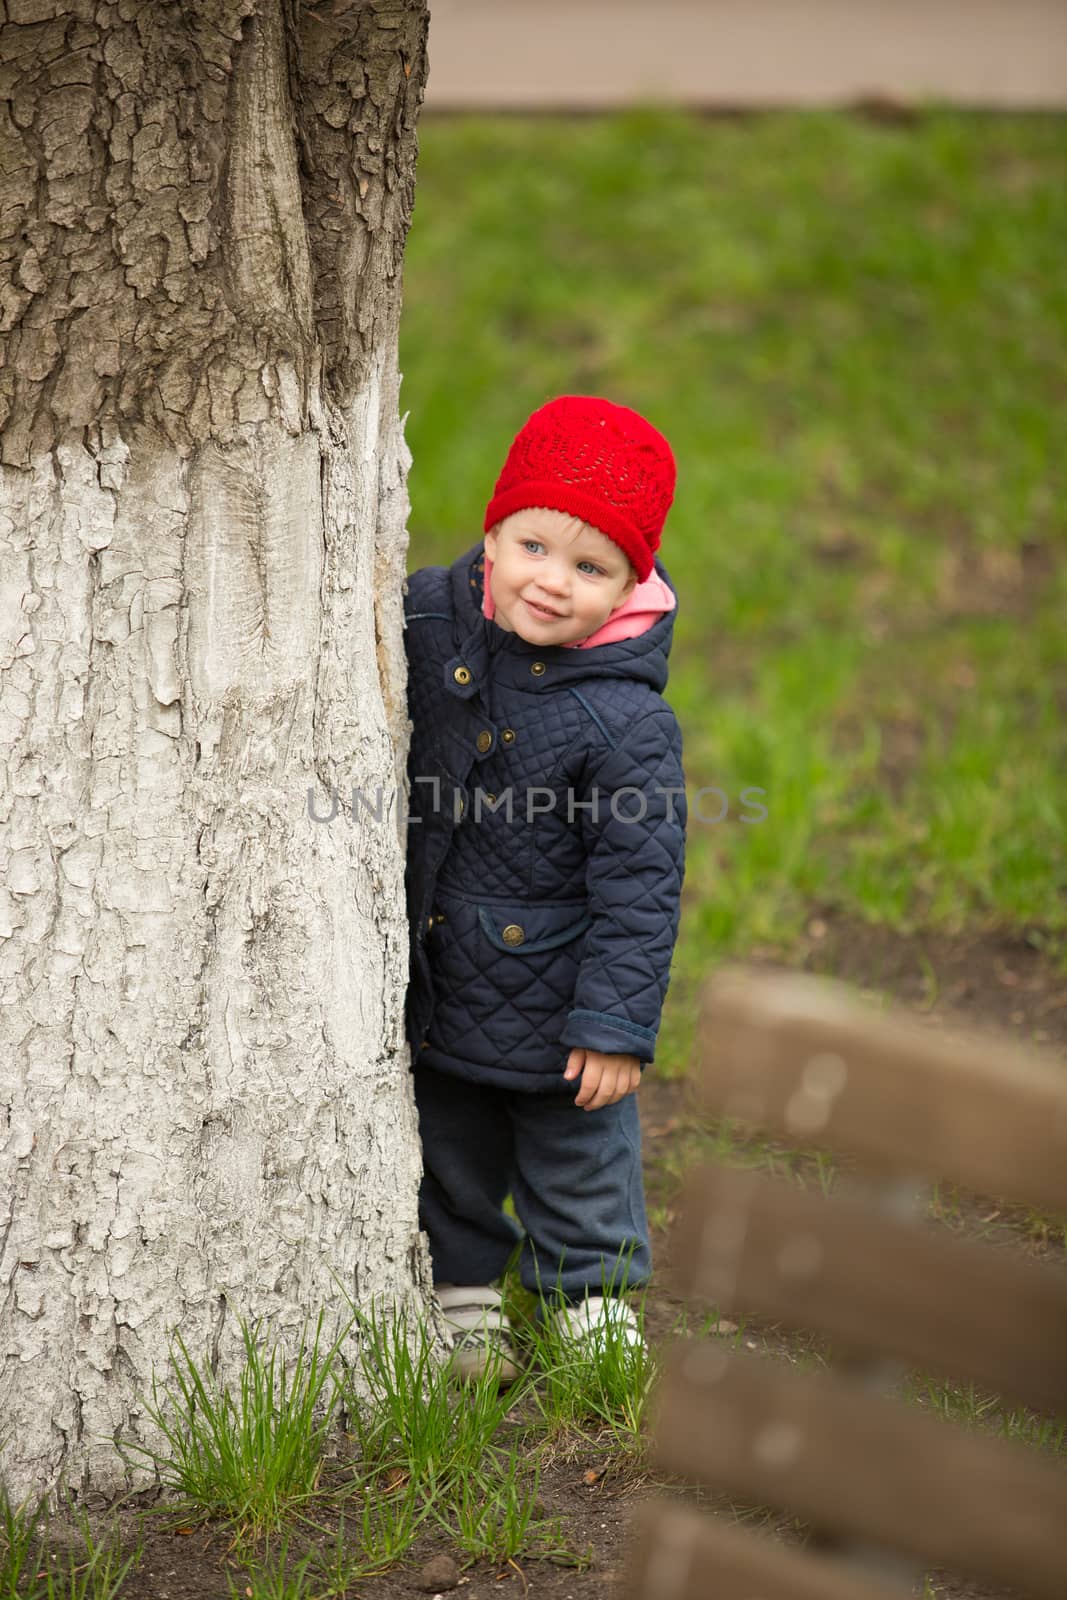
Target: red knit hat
598,461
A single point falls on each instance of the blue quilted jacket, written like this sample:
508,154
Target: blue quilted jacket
554,925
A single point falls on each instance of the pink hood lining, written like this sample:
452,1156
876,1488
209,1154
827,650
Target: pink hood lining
648,600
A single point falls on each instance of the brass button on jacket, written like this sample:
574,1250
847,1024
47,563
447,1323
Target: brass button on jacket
513,934
507,736
484,740
537,668
462,674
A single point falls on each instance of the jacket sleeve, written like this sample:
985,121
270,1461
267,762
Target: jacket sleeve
635,849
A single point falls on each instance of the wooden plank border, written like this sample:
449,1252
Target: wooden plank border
677,1554
802,1058
745,1242
857,1464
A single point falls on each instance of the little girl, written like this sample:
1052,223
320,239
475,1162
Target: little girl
545,861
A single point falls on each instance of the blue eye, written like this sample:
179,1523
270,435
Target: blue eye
596,569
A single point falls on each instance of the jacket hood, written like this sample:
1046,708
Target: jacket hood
642,657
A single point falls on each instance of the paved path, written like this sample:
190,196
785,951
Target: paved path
590,54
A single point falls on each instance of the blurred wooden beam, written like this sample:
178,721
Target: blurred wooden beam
678,1554
800,1057
744,1242
861,1465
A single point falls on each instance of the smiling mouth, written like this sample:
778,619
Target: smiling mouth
542,611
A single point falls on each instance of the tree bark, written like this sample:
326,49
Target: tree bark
205,1104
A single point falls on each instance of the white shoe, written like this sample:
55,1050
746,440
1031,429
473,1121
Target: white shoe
480,1327
602,1318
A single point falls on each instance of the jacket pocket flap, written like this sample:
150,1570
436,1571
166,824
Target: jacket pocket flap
523,930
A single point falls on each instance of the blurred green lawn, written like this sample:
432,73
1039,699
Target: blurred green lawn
854,335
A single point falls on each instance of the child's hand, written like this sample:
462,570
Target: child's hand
605,1078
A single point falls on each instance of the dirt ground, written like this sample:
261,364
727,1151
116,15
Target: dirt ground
997,981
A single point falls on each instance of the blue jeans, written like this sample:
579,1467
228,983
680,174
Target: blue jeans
574,1175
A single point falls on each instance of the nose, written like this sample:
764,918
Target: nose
552,579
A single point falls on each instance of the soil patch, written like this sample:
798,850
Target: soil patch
1001,981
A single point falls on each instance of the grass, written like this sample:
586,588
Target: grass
413,1447
974,1408
251,1457
277,1578
30,1571
407,1448
853,335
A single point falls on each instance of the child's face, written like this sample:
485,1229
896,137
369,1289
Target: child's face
549,559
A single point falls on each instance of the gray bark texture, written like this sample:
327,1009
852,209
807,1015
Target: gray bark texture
205,1104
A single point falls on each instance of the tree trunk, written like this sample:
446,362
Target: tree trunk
204,1086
